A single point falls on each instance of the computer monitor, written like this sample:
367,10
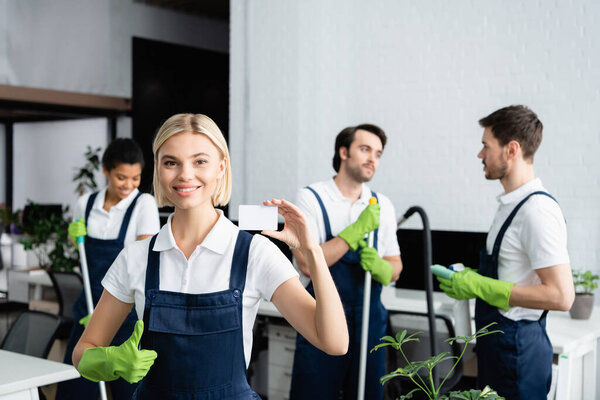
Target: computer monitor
448,247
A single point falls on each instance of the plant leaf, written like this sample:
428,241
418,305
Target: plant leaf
408,395
388,339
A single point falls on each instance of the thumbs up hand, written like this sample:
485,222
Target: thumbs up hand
125,361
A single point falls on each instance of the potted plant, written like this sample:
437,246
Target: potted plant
84,176
427,385
47,235
11,220
585,283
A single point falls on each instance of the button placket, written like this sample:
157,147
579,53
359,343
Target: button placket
184,267
186,273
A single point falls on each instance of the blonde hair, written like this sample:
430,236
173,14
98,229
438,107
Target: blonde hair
194,123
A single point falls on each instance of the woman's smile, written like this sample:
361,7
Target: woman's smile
185,191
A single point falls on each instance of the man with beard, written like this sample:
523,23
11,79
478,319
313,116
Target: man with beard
340,216
524,271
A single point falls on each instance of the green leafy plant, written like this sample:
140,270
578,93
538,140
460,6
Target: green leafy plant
586,281
84,176
427,385
46,234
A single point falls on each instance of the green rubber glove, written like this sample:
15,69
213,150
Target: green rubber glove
76,229
85,320
367,221
380,269
468,284
124,361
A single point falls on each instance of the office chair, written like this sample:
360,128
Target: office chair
68,286
8,309
32,333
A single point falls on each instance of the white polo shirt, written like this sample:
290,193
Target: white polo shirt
342,212
207,270
536,238
104,225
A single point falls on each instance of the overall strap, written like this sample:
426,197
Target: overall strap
376,231
328,235
500,236
152,269
127,218
88,207
239,264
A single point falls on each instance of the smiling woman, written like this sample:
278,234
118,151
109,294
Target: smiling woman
110,218
197,284
122,180
212,152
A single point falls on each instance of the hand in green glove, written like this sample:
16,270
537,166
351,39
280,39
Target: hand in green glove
77,229
468,284
380,269
85,320
367,221
125,361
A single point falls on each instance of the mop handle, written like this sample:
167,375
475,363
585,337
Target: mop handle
364,337
87,290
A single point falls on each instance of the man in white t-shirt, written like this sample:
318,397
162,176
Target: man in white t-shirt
340,216
525,269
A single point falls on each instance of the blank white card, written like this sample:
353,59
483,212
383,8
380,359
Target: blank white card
257,218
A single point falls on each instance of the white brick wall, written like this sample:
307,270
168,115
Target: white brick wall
425,71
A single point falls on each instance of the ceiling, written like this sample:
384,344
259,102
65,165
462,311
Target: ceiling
218,9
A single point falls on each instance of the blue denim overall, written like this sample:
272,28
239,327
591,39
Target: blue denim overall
100,255
198,337
518,363
317,375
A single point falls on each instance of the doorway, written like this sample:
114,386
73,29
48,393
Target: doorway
169,79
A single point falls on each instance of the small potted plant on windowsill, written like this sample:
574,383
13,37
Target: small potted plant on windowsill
427,385
585,283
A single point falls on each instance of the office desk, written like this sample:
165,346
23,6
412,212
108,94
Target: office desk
575,342
21,375
19,281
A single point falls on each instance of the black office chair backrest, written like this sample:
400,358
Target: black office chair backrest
68,286
32,333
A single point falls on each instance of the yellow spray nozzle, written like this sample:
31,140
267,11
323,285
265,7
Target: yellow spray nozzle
373,200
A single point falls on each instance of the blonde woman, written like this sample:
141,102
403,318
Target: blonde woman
197,284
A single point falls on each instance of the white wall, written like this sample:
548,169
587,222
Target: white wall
85,45
124,128
46,156
426,72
